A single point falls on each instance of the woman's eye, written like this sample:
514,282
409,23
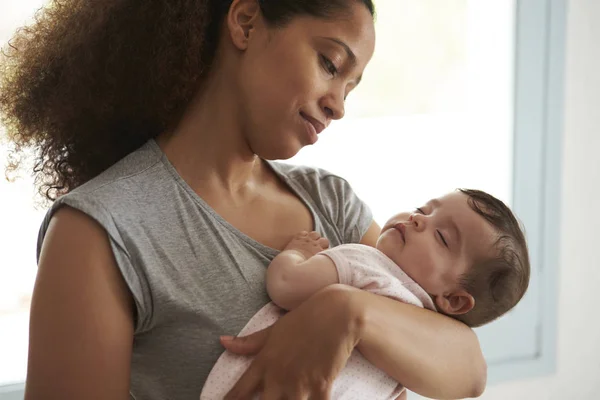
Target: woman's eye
442,237
328,65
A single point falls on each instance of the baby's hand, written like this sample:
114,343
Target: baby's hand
308,244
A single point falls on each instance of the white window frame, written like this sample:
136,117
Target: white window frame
538,127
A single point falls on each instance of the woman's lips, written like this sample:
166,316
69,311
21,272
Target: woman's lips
311,132
317,125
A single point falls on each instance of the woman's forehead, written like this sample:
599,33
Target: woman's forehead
355,29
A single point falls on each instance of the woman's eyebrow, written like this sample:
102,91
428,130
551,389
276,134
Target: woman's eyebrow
347,48
351,56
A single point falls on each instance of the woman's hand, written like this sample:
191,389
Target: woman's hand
301,354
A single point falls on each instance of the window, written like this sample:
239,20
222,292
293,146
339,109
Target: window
465,94
460,93
434,107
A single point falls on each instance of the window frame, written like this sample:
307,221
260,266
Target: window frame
537,167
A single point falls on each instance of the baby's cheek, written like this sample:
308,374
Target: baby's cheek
427,272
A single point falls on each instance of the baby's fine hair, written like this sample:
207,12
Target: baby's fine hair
497,284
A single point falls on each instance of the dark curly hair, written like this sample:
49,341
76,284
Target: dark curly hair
498,283
89,82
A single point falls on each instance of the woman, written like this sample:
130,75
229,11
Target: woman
145,261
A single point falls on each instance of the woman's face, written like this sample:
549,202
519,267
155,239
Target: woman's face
293,80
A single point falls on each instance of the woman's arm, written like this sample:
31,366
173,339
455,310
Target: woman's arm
431,354
303,352
81,325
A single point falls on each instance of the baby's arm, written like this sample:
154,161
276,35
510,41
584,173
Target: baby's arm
298,271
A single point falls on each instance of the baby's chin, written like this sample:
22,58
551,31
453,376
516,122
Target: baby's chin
380,244
386,248
389,242
389,251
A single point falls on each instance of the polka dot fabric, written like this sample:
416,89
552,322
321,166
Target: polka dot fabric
230,367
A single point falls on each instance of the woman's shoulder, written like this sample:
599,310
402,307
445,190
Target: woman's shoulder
124,202
120,194
316,181
332,196
138,166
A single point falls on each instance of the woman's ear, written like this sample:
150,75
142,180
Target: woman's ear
242,18
455,303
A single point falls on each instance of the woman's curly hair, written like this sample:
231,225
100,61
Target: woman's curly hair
89,82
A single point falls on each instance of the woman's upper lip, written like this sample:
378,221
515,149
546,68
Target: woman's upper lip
400,227
319,127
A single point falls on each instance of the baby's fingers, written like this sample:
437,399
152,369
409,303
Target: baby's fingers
324,243
314,235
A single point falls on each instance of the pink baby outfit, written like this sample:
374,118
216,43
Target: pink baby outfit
360,266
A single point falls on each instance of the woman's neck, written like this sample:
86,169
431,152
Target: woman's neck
208,148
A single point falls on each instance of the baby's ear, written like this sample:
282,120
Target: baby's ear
455,303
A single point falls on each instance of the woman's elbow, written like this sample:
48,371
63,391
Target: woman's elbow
479,372
470,366
480,380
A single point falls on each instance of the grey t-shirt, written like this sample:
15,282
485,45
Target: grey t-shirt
192,275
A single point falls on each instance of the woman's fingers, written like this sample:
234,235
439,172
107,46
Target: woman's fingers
246,345
321,393
272,392
249,384
282,390
301,359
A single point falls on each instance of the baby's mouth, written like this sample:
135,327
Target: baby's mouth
400,227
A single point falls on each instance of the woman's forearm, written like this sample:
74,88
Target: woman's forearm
428,353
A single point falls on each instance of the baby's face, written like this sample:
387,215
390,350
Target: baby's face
436,243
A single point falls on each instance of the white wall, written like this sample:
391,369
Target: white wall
577,373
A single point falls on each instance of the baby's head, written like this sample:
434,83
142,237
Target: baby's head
466,249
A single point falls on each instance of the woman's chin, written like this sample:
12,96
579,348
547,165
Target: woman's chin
282,152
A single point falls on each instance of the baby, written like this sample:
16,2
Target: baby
463,255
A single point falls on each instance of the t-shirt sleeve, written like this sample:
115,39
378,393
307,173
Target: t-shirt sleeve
340,203
334,197
132,276
354,217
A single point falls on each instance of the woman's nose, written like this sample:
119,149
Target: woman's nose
333,106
